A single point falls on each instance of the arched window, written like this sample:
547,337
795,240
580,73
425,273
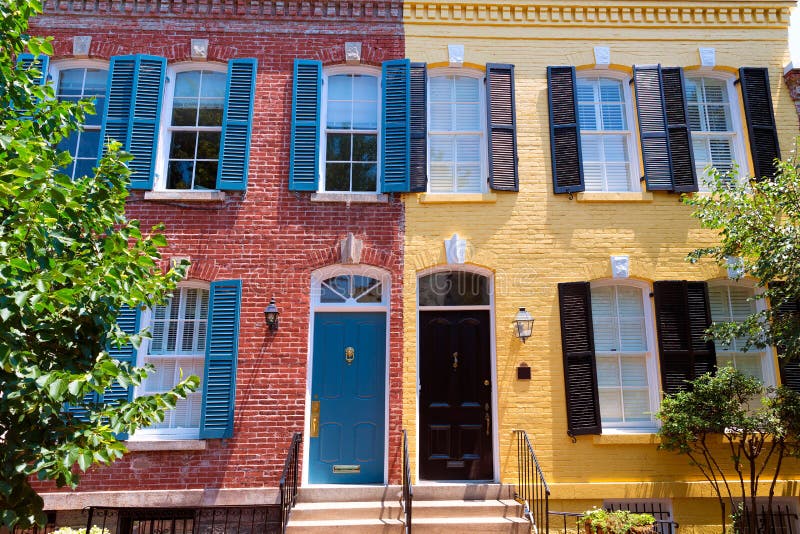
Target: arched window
454,288
607,141
456,126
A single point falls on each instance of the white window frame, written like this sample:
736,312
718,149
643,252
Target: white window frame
739,154
469,73
54,75
634,178
767,355
164,134
323,121
155,434
651,361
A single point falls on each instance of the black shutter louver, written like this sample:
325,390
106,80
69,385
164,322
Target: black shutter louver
651,109
580,368
757,100
502,126
565,142
419,128
789,370
684,176
682,316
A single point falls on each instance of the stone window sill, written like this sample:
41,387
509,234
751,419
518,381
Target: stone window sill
457,198
639,196
351,198
166,445
626,439
185,196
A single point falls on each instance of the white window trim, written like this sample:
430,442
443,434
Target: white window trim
319,276
768,370
164,434
323,121
740,156
484,172
164,141
634,178
653,378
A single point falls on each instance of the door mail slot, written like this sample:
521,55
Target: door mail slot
342,469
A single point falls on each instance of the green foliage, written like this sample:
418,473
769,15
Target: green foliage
599,520
759,231
69,260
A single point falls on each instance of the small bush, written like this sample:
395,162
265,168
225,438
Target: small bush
598,520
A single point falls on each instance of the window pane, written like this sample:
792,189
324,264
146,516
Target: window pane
637,405
340,115
213,84
365,115
468,178
365,176
71,82
365,88
721,154
210,113
440,89
718,118
634,371
613,117
337,177
187,83
442,148
90,143
468,148
84,167
587,114
466,89
208,145
468,117
184,112
338,147
365,148
441,178
441,119
610,406
70,143
183,145
338,287
340,87
179,174
453,289
361,284
607,371
205,175
97,118
95,83
750,364
615,148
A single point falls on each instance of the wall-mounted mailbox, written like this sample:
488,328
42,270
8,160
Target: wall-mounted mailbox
523,372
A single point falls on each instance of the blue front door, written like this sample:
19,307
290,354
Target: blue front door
346,444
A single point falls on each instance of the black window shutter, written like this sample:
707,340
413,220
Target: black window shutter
682,316
790,370
757,101
501,112
684,176
419,128
565,140
651,109
580,367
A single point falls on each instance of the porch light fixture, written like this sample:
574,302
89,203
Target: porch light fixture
271,314
523,321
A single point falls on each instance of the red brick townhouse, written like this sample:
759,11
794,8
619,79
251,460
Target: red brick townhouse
272,139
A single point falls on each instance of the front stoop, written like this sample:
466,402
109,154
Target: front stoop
437,509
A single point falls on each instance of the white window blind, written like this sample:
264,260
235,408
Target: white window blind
710,120
731,304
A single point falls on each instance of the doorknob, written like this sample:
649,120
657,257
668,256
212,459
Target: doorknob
455,360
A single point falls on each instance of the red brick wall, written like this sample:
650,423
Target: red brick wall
270,238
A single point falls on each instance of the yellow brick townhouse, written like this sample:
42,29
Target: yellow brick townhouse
550,146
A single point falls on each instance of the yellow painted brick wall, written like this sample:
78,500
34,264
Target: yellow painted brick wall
532,240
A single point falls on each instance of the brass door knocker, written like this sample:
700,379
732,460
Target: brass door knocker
349,354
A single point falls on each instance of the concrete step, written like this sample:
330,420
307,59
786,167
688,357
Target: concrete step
422,492
393,509
439,525
348,526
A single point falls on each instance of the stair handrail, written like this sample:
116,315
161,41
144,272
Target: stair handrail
532,490
288,482
407,496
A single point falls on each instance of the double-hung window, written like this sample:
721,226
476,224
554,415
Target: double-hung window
76,82
194,130
351,132
456,132
606,134
177,350
734,302
624,356
713,119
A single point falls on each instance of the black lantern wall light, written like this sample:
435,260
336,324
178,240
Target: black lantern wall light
271,314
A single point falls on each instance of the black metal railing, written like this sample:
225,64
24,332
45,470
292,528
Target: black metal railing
288,483
532,490
784,520
212,520
408,490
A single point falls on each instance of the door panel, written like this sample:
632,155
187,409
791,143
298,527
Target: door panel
350,445
455,395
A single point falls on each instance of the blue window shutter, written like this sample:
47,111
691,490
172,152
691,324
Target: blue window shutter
81,411
653,127
222,346
306,102
40,63
133,111
237,121
396,127
128,321
565,130
502,124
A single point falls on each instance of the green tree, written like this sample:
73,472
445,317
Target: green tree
732,443
69,261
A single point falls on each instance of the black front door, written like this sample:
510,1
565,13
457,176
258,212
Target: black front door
455,396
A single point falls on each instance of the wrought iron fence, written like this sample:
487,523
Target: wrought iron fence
213,520
783,520
532,490
567,523
288,483
408,490
658,509
47,528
